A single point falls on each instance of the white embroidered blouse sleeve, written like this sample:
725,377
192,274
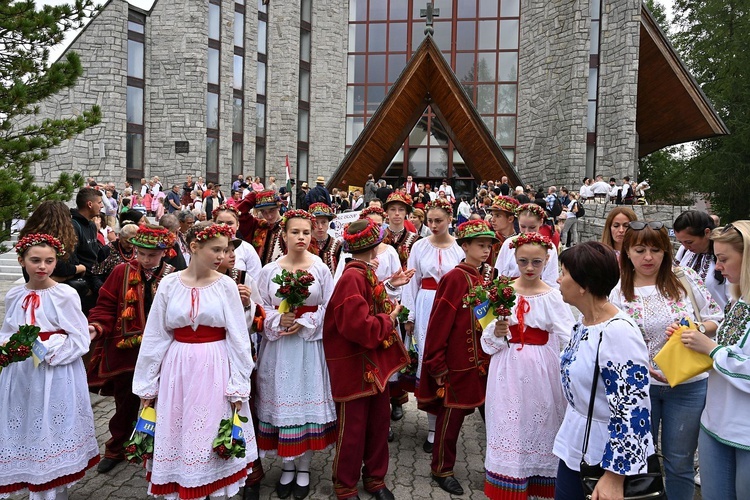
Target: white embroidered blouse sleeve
312,322
410,290
71,319
238,344
156,340
561,319
272,325
551,270
709,309
732,363
490,343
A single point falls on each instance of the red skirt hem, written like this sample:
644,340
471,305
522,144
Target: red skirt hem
55,483
203,491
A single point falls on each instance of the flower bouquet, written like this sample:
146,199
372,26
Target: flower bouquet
491,301
293,289
18,347
140,446
230,441
403,315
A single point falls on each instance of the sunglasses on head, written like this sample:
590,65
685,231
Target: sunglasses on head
638,225
730,226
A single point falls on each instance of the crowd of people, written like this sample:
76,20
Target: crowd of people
245,305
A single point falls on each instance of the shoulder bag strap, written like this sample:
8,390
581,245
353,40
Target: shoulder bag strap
689,290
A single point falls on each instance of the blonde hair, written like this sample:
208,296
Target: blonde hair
740,241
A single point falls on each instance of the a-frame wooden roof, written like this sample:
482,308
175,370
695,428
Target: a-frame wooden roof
672,108
426,80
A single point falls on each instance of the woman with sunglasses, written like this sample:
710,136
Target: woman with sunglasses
653,295
617,223
724,440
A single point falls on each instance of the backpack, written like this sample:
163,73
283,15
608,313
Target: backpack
556,207
581,211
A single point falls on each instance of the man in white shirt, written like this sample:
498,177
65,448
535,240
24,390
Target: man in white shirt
600,189
614,190
448,191
410,186
585,192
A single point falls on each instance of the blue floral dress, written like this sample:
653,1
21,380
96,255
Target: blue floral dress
620,438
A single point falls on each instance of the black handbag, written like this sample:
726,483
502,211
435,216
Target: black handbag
646,486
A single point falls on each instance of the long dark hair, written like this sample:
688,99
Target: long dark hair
666,282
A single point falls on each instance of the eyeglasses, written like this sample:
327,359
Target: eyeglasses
535,263
638,225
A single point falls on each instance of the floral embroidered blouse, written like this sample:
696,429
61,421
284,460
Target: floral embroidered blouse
653,313
620,438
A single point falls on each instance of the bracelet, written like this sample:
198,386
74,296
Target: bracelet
389,286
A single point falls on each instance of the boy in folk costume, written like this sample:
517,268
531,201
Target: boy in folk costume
263,234
362,349
323,244
398,206
503,210
454,367
116,324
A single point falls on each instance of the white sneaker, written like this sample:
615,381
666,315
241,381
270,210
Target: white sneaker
697,479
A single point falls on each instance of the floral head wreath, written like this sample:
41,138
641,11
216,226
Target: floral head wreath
372,210
533,239
34,239
296,214
535,210
441,203
214,231
224,208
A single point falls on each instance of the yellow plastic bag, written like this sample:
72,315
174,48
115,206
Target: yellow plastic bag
677,362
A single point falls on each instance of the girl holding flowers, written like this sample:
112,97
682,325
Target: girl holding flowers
196,361
294,404
47,439
431,258
530,220
526,404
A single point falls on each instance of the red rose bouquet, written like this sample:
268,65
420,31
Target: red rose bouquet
293,289
492,300
18,347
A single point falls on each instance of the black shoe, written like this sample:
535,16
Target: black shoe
397,412
298,491
427,446
449,484
384,494
251,492
391,435
284,490
107,464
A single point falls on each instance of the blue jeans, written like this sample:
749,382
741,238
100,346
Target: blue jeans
677,410
724,470
568,484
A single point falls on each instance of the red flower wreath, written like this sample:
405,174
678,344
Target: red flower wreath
224,208
214,231
34,239
296,214
533,239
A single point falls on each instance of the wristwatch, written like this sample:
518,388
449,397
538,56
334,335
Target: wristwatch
702,328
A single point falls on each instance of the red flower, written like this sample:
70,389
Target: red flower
131,449
507,293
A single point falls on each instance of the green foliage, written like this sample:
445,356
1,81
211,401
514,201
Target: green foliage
659,13
713,37
665,172
26,79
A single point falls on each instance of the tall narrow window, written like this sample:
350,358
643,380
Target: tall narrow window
593,88
260,92
212,91
238,86
135,97
303,115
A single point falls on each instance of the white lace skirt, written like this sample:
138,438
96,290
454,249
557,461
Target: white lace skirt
190,405
46,426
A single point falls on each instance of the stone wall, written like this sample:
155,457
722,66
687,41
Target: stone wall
590,227
553,76
99,151
616,137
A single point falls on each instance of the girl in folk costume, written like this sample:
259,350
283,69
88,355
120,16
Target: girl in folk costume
294,404
196,361
454,368
530,220
47,439
246,258
526,404
431,258
323,244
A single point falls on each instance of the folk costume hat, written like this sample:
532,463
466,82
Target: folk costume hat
267,198
34,239
506,204
321,210
474,229
362,235
397,197
153,237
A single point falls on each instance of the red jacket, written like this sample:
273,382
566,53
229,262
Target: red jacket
452,348
359,363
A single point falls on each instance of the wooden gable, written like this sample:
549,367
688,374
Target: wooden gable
427,80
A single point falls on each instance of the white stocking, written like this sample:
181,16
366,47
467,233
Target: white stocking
287,472
304,466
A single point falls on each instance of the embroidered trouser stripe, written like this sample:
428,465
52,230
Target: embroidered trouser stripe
448,427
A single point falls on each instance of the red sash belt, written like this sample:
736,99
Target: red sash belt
201,335
302,310
428,284
532,336
43,336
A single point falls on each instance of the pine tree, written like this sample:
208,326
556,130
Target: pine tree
26,79
713,36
